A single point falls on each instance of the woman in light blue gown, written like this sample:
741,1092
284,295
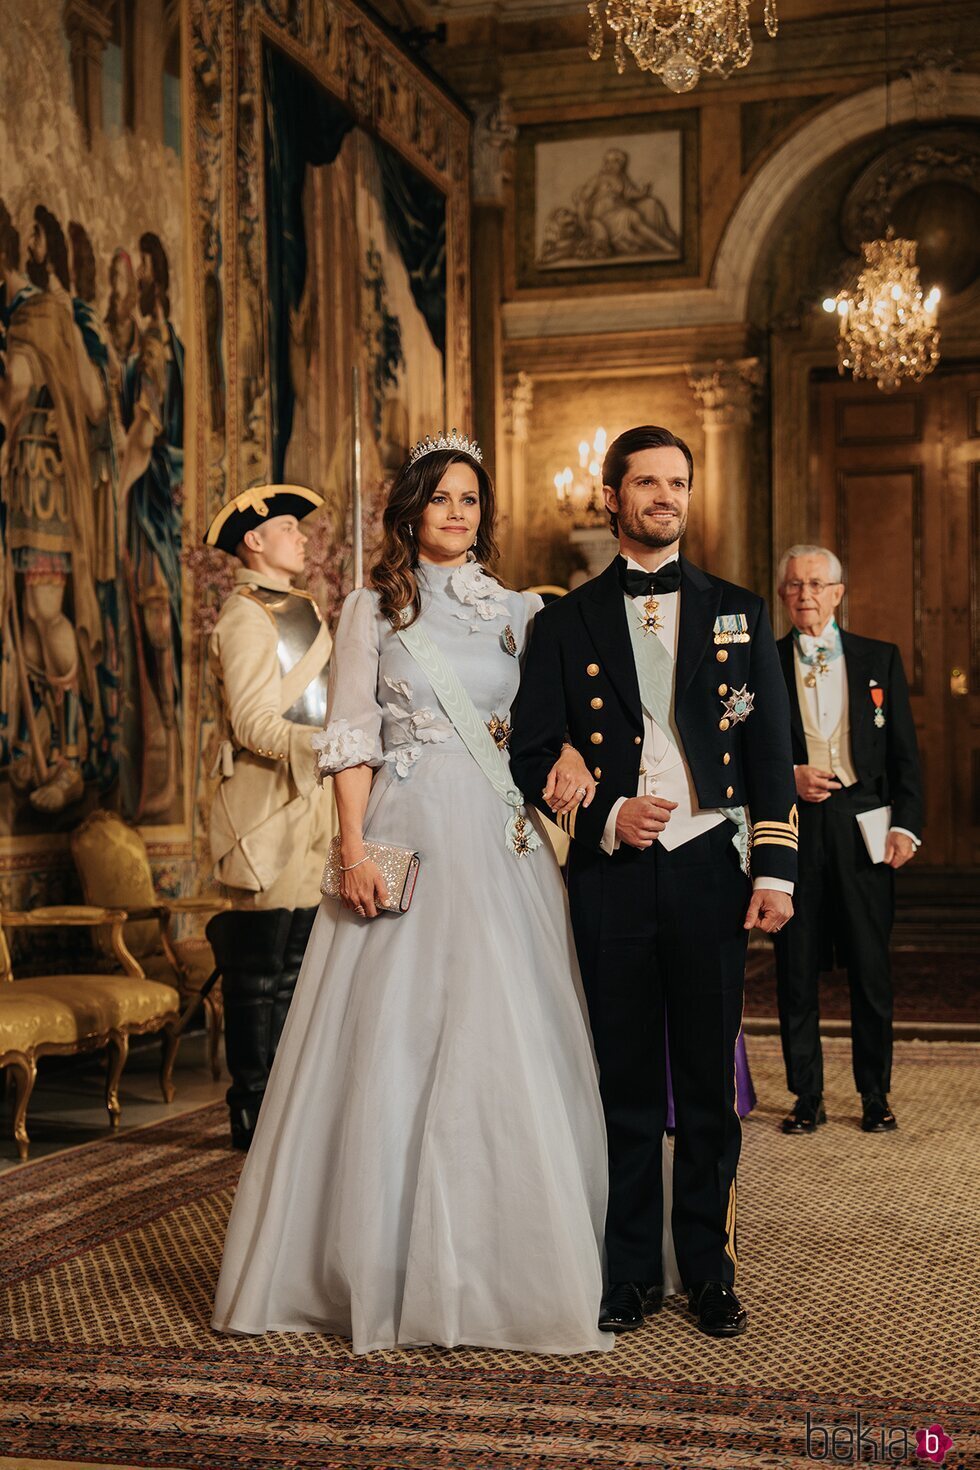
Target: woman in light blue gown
429,1164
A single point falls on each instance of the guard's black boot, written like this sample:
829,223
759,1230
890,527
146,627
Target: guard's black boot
248,945
292,959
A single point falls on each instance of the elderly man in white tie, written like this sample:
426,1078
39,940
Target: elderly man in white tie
857,775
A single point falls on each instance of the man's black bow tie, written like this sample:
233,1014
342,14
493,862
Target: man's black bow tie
647,584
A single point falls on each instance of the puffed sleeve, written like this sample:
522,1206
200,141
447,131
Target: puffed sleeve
352,735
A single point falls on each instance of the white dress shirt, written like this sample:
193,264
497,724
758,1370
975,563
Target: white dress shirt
663,770
828,698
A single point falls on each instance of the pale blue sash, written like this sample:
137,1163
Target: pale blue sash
473,732
655,672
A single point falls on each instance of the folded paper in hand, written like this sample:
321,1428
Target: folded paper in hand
875,827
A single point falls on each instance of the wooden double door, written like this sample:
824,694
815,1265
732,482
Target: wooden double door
898,480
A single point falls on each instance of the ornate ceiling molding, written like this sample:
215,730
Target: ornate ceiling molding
945,155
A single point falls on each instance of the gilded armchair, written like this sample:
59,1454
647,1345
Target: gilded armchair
64,1014
114,870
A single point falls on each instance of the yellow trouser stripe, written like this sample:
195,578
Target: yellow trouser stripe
730,1225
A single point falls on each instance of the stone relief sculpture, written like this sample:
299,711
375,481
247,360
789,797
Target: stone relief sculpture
616,214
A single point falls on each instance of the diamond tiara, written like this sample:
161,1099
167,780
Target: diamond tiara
452,440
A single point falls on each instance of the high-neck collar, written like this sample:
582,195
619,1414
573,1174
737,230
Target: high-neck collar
434,571
245,576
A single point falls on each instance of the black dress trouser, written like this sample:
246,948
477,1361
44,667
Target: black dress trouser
660,934
842,898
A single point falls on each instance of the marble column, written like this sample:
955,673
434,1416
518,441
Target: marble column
518,398
87,30
725,392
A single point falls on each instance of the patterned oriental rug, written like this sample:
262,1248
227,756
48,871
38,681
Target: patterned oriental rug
858,1267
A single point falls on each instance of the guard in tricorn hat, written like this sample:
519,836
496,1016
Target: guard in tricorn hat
271,823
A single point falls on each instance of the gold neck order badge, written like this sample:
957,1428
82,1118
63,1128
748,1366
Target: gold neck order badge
650,620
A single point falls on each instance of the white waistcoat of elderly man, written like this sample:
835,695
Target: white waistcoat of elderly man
271,822
860,809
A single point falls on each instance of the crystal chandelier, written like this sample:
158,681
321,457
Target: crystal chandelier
579,494
887,328
678,39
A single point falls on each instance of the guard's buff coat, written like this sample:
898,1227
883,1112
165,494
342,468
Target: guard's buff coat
271,822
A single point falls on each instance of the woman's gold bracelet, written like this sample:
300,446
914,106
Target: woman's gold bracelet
352,866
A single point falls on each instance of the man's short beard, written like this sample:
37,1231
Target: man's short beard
37,273
649,533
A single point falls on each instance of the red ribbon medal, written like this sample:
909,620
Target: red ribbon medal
878,699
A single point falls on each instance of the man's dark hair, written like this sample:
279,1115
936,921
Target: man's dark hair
9,239
151,245
646,436
57,248
82,261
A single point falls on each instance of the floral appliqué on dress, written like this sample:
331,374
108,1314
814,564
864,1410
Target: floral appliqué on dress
421,727
340,746
482,597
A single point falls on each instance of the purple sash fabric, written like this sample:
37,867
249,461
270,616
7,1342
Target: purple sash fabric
744,1091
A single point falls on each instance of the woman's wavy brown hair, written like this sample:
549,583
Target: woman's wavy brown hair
393,575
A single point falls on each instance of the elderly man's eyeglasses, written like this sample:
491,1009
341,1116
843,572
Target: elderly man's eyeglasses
814,588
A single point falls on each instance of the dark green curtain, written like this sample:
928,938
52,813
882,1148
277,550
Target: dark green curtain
303,125
416,214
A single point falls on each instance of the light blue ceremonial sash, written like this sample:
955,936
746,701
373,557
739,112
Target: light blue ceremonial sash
655,673
473,732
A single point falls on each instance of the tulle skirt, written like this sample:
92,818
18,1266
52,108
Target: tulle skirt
429,1164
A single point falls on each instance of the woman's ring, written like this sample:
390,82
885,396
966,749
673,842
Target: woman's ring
359,909
581,791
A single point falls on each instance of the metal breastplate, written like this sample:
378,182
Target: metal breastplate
298,626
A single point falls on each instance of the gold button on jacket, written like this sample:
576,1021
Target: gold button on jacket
637,739
596,703
724,724
730,791
596,738
722,655
726,758
723,689
592,670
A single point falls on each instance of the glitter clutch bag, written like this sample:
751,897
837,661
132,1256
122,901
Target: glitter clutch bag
399,868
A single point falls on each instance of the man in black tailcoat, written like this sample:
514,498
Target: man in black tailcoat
855,756
667,680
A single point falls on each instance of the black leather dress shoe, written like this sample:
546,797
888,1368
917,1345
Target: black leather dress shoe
807,1114
626,1303
243,1121
877,1116
718,1309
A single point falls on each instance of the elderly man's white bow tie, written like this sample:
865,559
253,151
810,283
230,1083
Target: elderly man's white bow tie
811,645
